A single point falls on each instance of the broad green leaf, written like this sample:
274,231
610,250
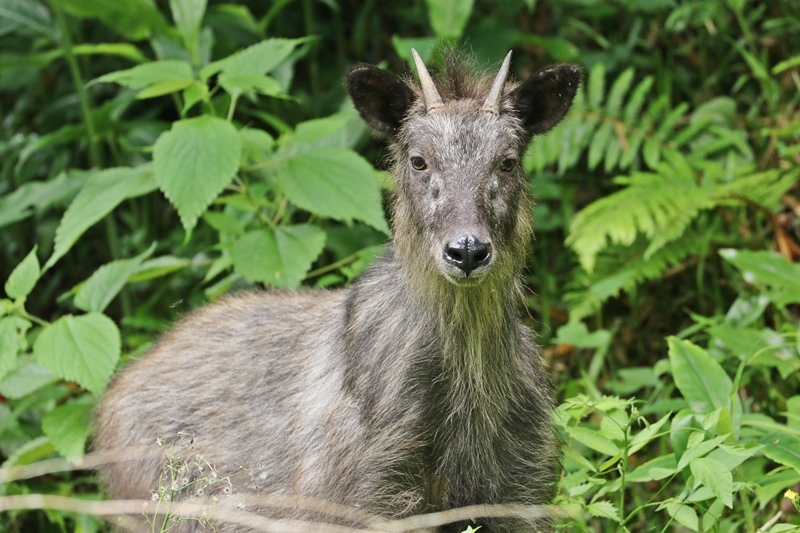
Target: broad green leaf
279,256
102,192
84,349
24,276
194,161
241,83
603,509
28,377
746,309
716,477
766,268
340,130
577,334
12,341
684,515
655,469
133,18
793,412
68,427
32,451
188,17
38,195
257,145
106,282
334,183
260,58
593,439
701,380
160,266
154,78
782,449
449,17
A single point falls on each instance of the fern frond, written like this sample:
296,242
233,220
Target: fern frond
660,206
621,130
623,268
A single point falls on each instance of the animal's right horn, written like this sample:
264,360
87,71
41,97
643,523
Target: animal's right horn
433,102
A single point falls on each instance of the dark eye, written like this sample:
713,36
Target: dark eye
418,163
507,165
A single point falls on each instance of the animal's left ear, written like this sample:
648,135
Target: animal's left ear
381,98
543,99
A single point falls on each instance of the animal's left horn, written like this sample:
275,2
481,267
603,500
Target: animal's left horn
433,102
492,103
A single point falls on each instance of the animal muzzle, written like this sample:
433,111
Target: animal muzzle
468,255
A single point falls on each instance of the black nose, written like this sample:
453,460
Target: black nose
467,253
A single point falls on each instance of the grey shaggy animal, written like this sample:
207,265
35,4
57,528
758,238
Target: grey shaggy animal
418,388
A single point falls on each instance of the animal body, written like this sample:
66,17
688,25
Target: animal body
418,388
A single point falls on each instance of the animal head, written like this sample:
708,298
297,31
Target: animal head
462,208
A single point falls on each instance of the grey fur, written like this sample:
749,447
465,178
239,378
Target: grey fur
415,390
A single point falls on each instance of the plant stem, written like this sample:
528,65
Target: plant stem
77,80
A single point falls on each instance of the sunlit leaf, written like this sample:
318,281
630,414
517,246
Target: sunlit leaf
701,380
279,256
68,428
194,161
84,349
24,276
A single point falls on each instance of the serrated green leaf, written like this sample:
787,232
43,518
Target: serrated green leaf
24,276
28,377
12,342
132,18
241,83
701,380
279,256
260,58
154,78
106,282
30,452
334,183
164,87
715,476
84,349
188,17
604,509
449,17
194,161
68,427
37,195
101,193
593,439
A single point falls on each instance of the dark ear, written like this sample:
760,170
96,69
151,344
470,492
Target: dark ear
380,97
543,99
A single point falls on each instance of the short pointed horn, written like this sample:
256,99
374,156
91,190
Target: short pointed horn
492,103
433,102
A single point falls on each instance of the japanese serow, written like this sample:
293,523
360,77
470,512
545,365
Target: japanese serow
418,388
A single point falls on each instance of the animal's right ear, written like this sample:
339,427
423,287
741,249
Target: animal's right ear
381,98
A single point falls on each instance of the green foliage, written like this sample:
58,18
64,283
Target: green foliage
156,155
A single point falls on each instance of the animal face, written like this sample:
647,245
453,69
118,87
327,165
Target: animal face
461,186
